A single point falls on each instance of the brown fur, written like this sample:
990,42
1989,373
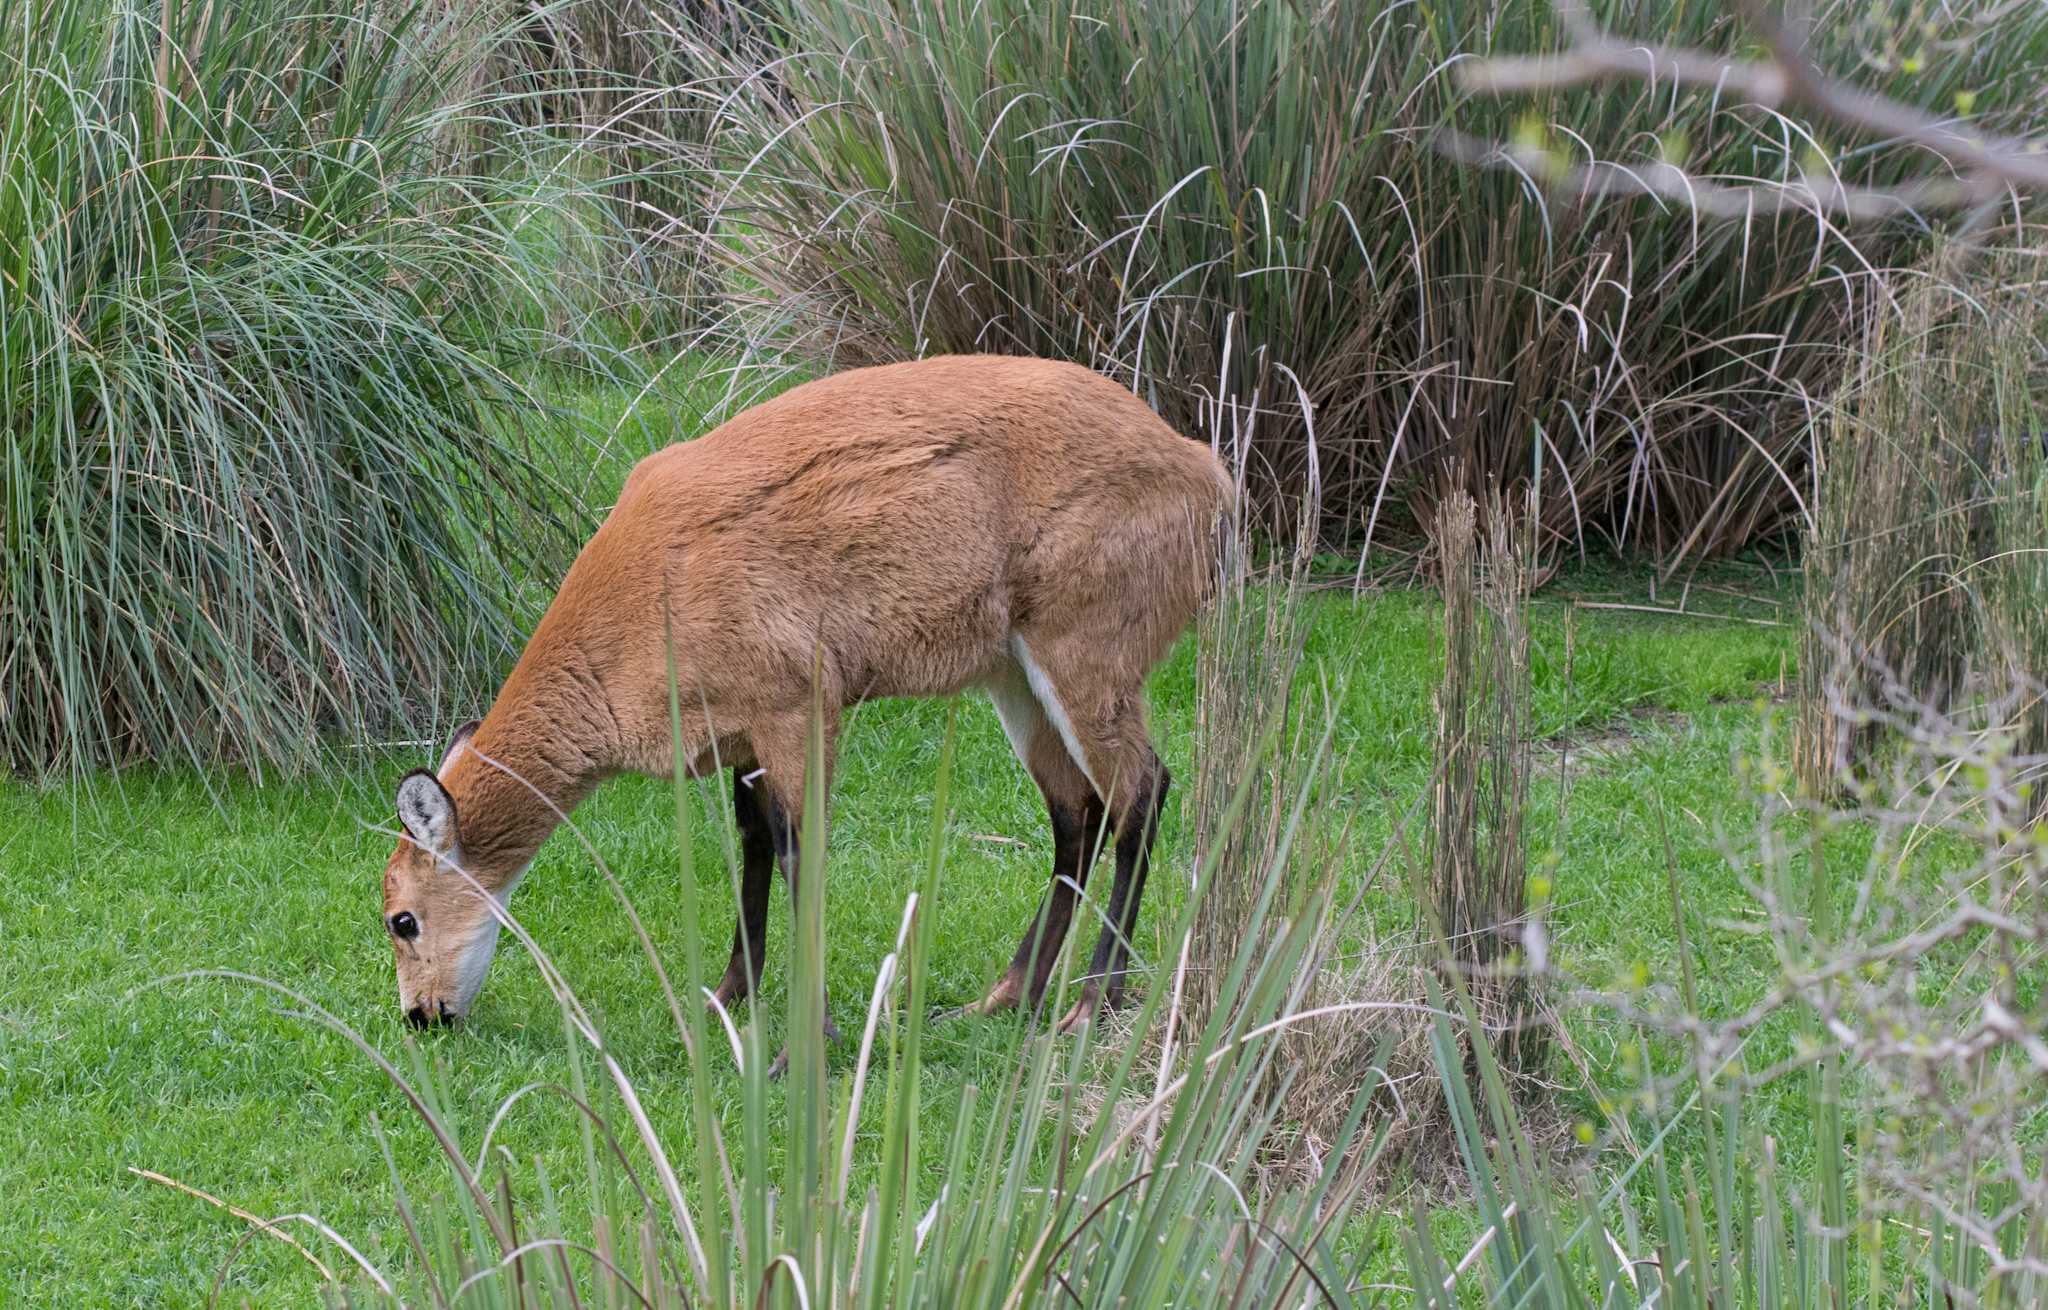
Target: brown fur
890,528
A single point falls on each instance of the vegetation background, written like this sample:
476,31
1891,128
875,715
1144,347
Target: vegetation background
1607,866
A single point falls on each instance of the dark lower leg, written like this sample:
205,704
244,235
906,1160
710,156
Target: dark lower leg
750,925
782,746
1135,831
1076,835
789,857
1076,831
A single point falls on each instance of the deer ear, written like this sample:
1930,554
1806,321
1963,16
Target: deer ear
427,811
457,742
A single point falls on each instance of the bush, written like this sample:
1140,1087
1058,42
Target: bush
253,346
1907,912
1238,205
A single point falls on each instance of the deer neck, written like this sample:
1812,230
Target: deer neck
546,744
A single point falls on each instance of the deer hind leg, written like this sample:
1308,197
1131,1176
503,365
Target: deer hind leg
1093,696
781,745
1076,813
1137,825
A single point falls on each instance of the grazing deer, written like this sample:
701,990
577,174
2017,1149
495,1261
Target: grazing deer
1019,525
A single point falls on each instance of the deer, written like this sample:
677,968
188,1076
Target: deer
1021,526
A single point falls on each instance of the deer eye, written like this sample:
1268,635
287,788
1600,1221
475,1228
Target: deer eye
404,926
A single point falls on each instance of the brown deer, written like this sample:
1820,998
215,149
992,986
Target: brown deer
1019,525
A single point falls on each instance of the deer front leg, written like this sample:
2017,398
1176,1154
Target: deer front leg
750,925
781,746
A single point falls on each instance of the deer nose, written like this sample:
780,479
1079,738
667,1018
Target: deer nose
419,1016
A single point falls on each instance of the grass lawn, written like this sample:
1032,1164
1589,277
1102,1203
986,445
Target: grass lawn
111,886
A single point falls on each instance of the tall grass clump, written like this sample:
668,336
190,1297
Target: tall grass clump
261,475
1239,204
2009,573
1271,833
1478,876
1923,565
618,87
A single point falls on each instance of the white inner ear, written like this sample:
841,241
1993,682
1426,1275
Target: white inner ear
427,813
455,745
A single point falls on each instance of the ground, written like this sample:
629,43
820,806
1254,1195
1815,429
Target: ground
109,887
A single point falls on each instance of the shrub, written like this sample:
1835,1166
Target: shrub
260,477
1907,912
1239,204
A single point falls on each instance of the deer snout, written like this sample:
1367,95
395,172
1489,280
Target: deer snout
422,1015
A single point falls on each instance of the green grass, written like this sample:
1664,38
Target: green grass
111,886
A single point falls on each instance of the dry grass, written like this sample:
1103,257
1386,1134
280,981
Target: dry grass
1923,564
2009,574
1477,889
1269,846
1269,842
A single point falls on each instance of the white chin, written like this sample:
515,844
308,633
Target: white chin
469,974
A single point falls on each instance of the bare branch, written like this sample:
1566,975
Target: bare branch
1664,181
1983,163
